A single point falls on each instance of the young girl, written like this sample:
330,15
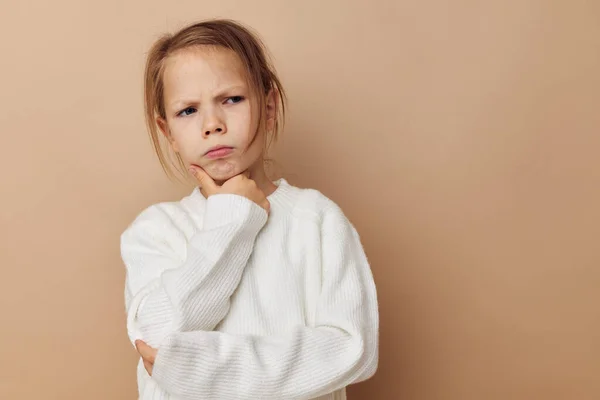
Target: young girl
246,288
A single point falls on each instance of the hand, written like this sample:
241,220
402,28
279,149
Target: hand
148,355
241,185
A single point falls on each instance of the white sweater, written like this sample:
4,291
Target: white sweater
245,307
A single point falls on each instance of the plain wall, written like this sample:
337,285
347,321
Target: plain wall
460,137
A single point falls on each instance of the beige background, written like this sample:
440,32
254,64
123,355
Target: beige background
461,138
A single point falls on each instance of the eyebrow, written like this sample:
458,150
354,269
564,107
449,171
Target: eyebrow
180,102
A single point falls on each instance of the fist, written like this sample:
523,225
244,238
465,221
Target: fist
240,185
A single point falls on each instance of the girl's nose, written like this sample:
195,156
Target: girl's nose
213,125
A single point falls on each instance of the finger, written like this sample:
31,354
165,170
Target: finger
149,367
148,353
206,182
236,178
241,177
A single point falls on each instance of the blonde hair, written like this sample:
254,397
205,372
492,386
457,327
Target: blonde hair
223,33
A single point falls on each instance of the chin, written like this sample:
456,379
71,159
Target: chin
221,173
221,179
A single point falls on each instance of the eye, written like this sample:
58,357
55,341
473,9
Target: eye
187,111
234,99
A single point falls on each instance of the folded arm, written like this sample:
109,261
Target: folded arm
341,348
176,285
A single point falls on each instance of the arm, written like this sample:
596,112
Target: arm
308,362
176,291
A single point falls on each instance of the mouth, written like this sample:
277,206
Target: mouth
218,152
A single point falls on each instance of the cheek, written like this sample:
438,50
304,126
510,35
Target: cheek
182,148
184,138
177,141
245,124
175,146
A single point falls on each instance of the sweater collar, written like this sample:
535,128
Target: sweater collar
281,196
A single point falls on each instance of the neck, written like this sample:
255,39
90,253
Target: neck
259,175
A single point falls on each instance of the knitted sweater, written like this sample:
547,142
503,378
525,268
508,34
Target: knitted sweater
241,306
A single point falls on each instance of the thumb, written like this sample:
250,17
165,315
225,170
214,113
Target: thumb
148,353
205,181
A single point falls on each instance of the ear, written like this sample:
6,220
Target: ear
272,101
164,128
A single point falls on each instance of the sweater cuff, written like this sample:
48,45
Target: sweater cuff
178,362
224,209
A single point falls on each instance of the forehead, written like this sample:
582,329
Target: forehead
203,69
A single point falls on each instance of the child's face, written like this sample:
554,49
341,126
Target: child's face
209,104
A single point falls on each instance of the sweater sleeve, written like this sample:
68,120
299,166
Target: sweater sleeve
177,285
307,362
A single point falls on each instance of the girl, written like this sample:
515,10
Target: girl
246,288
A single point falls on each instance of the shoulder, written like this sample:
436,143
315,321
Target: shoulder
313,204
337,232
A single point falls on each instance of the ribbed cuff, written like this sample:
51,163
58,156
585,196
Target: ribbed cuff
223,209
177,364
